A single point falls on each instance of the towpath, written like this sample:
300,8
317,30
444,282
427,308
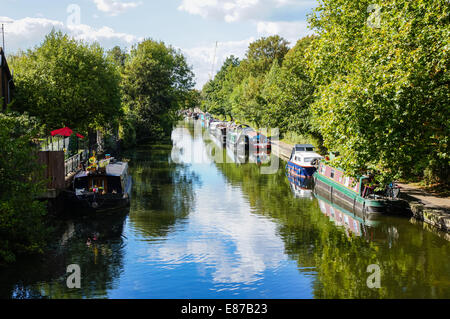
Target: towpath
425,197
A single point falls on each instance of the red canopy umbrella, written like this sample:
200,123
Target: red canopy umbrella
66,132
63,132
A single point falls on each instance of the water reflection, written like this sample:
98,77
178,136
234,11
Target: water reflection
220,237
301,187
163,189
96,245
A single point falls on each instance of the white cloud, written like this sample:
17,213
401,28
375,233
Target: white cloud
292,31
201,57
238,10
213,228
29,32
114,7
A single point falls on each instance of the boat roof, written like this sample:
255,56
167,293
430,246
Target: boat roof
116,169
303,145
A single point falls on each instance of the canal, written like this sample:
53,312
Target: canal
201,229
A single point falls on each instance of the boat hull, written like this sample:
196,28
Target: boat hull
346,198
300,171
93,204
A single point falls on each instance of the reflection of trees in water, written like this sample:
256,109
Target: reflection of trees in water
413,262
101,262
162,190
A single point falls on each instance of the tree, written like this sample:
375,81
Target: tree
383,90
21,215
216,93
64,82
289,92
117,56
247,102
263,52
237,88
156,83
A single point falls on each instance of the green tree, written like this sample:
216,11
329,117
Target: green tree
236,90
22,229
263,52
382,98
156,83
247,102
64,82
289,92
117,56
216,93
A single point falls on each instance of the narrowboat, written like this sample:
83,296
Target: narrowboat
353,194
103,186
236,136
258,142
302,162
219,131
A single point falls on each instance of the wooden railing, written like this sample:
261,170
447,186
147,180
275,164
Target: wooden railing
72,164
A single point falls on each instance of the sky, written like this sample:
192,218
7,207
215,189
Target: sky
193,26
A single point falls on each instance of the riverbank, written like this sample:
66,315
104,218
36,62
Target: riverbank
428,208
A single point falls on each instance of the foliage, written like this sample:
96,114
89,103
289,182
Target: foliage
21,227
215,93
64,82
383,104
117,56
262,53
156,83
236,90
288,92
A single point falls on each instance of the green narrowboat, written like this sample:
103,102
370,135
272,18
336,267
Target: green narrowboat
352,194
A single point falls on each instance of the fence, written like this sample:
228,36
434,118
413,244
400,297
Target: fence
72,164
54,166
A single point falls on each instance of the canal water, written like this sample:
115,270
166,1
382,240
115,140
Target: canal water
202,224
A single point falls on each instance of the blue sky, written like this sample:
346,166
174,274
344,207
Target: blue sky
190,25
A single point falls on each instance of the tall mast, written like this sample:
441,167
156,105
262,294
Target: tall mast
213,62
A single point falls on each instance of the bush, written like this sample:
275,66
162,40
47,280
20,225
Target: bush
21,216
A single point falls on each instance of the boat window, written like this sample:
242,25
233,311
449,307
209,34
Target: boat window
114,184
98,182
81,183
332,173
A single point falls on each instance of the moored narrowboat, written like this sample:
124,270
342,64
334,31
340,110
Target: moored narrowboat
353,194
219,131
102,187
237,136
303,161
258,142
